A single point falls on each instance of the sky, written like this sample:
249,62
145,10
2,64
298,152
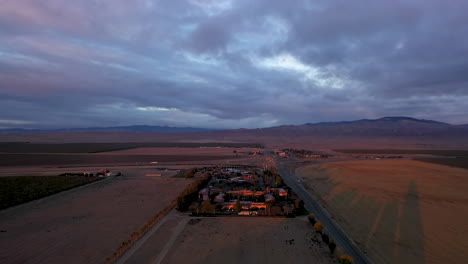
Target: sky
230,63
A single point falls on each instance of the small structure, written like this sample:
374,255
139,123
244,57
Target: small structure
282,192
219,198
244,213
204,194
269,198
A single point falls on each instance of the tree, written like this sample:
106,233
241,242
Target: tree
318,227
299,206
238,206
190,173
311,218
286,209
345,259
332,246
325,238
207,207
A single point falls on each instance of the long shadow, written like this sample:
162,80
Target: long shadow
384,236
411,248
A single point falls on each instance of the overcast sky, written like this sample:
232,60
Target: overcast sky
230,63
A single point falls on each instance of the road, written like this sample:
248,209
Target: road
312,205
154,245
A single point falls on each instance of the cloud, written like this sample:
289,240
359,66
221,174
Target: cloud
288,63
231,63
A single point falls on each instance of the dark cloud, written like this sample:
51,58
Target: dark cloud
230,63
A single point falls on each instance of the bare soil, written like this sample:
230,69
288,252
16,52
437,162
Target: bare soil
46,159
201,151
399,211
85,225
248,240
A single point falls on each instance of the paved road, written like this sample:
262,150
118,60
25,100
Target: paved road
312,205
154,245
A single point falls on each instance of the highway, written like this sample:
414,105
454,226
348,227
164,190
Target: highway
322,215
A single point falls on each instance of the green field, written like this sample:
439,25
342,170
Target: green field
21,189
24,147
406,151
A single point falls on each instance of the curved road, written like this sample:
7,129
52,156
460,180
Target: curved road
312,205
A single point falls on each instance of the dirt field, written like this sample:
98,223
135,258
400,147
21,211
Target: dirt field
460,162
399,211
83,225
87,147
202,151
437,152
96,159
247,240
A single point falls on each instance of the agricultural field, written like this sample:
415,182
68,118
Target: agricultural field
196,151
398,211
24,147
20,189
97,159
442,152
84,225
461,162
248,240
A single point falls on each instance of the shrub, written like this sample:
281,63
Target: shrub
207,207
332,246
325,238
190,194
299,206
311,218
318,227
345,259
238,206
190,173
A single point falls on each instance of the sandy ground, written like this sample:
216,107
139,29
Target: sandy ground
85,225
247,240
399,211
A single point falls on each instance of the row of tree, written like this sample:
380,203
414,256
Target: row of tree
318,227
190,194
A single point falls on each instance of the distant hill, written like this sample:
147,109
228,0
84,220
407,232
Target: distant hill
141,128
388,120
386,132
386,126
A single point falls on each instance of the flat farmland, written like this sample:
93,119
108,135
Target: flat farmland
248,240
46,159
26,147
436,152
200,151
461,162
84,225
399,211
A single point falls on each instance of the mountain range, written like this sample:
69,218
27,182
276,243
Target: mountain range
386,126
137,128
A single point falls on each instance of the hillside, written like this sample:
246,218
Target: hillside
137,128
386,126
387,132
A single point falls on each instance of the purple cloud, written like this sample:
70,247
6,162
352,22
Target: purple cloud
230,63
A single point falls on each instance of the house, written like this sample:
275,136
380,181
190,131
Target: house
220,198
269,198
282,192
204,194
244,213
